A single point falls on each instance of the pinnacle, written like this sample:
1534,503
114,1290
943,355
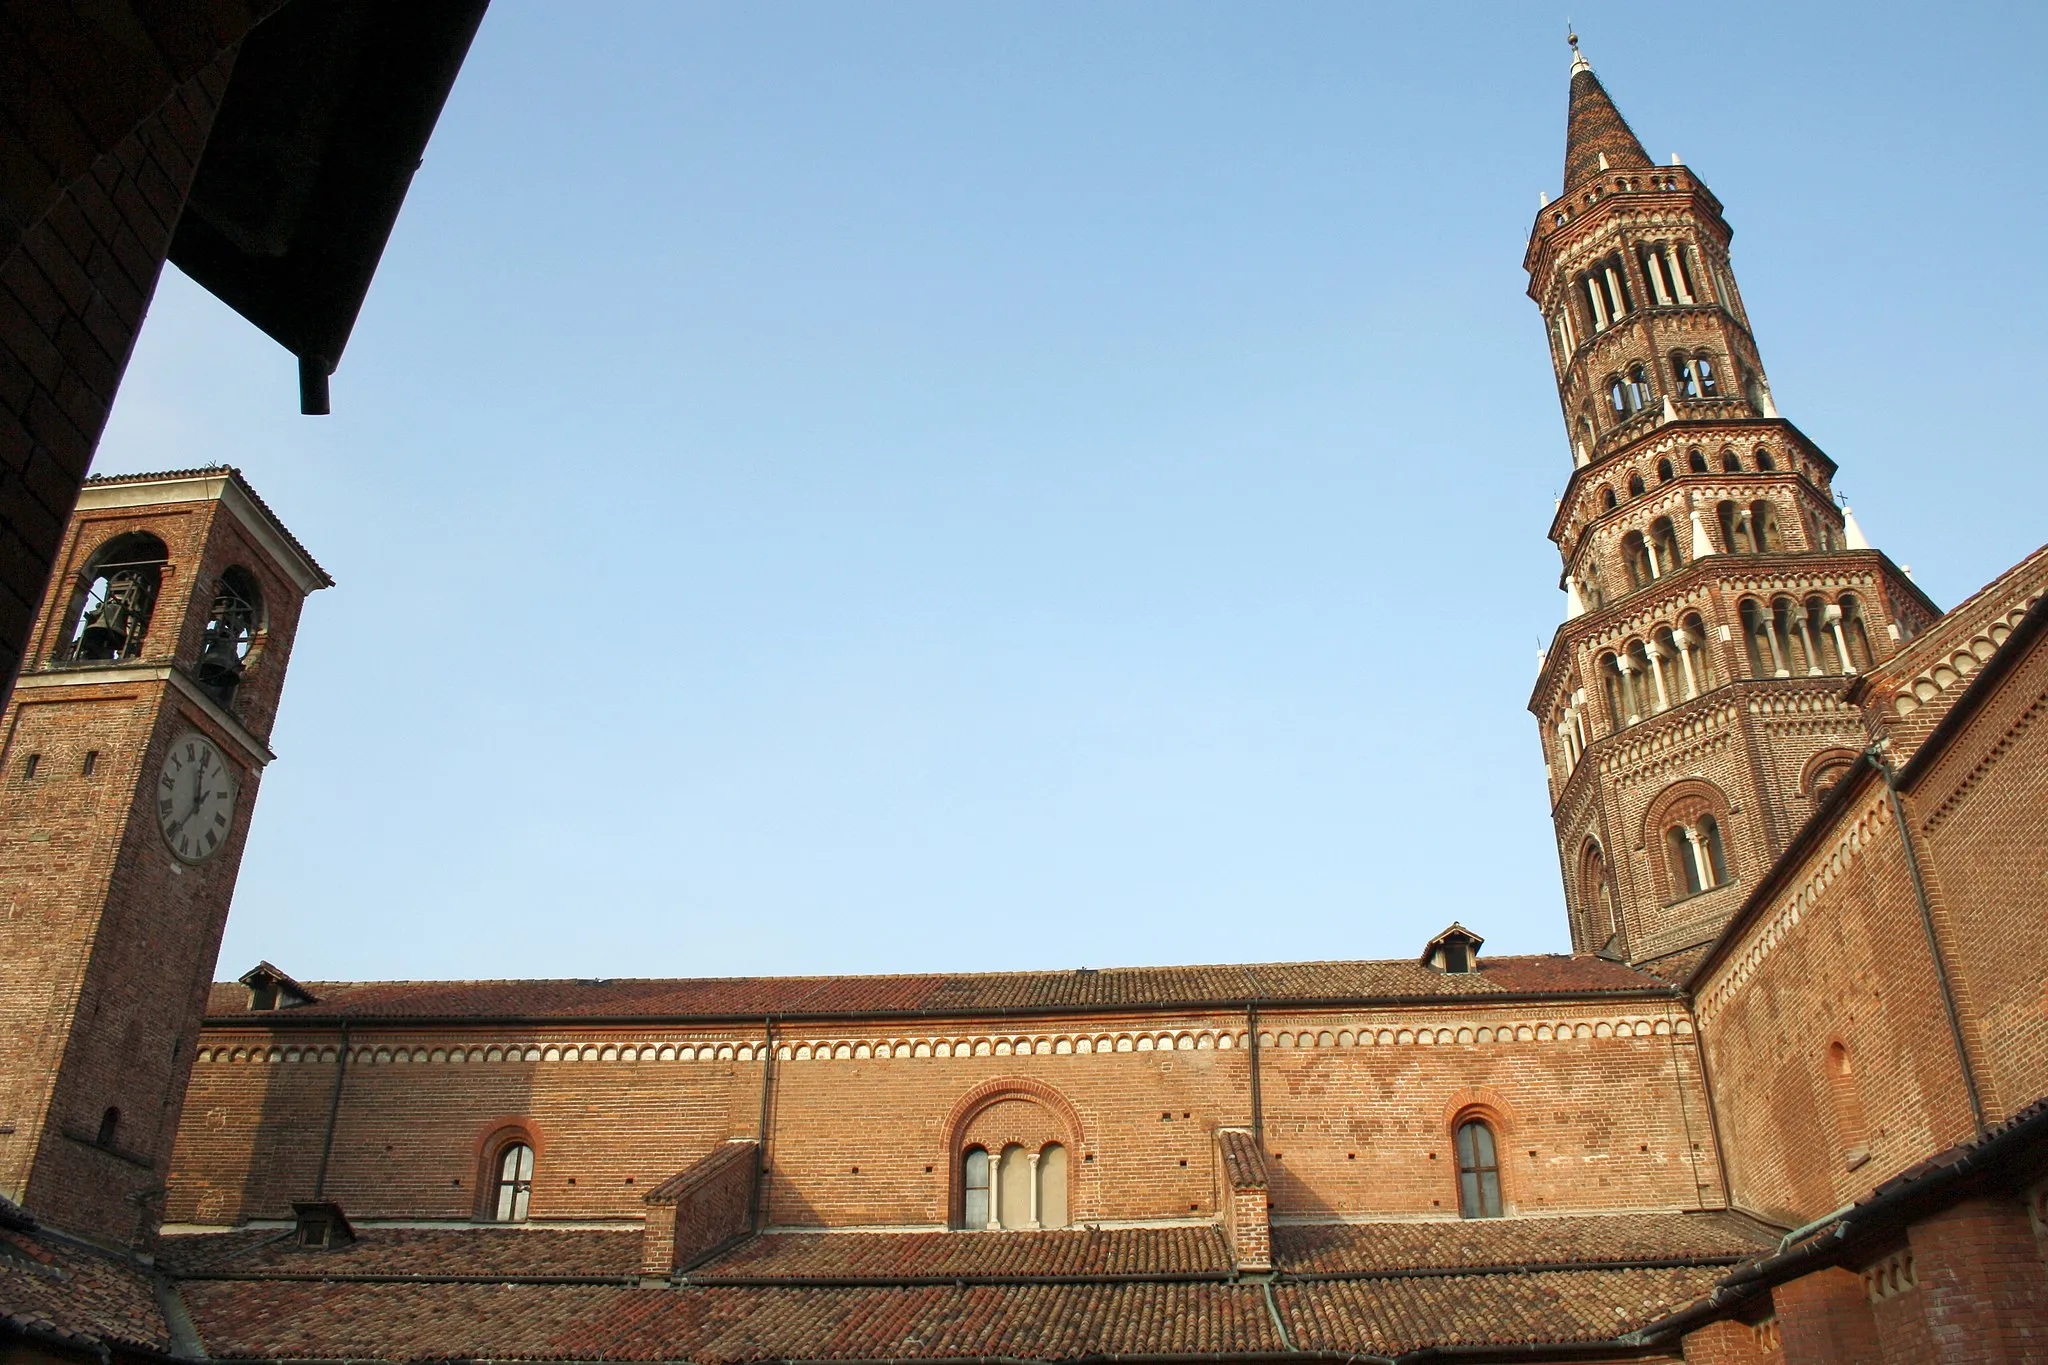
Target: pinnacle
1597,137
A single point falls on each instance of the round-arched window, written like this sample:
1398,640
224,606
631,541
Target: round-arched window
514,1183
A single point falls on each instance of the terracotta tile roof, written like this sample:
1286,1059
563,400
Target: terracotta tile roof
1116,988
1368,1248
52,1285
517,1253
902,1257
242,1320
1393,1316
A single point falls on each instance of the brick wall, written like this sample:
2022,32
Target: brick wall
866,1139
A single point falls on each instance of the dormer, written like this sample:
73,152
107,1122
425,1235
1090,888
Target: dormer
321,1225
1455,951
270,989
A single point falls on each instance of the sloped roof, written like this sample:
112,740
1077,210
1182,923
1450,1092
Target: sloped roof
395,1295
54,1287
1597,1239
994,993
900,1257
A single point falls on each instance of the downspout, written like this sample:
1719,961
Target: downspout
761,1128
1251,1038
1941,977
333,1113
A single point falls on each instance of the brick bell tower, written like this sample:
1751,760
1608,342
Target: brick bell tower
1694,706
133,745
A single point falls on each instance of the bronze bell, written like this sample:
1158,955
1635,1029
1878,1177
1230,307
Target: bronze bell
220,664
106,630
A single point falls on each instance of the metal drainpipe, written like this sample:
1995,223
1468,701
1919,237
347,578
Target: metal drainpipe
333,1113
1941,977
761,1140
1251,1038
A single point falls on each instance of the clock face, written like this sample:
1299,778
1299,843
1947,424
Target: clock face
195,798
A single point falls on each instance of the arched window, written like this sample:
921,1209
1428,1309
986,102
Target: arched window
1759,641
1606,292
1703,367
233,624
1635,485
1827,655
1596,906
1765,460
1665,555
110,1125
1717,854
1665,473
1692,640
1635,553
1617,398
1478,1171
514,1188
1683,377
1683,857
1607,499
1731,462
1788,624
1638,388
974,1181
1738,529
1052,1186
1696,461
1856,633
1644,682
1614,690
1763,527
115,598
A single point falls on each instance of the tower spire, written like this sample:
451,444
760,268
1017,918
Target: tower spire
1597,137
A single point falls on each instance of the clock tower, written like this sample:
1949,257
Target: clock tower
130,755
1721,604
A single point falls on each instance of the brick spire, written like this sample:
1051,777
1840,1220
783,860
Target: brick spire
1595,128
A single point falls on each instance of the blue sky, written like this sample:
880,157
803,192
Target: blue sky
851,488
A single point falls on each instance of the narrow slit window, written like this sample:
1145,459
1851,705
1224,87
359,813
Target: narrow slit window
974,1184
1478,1171
515,1182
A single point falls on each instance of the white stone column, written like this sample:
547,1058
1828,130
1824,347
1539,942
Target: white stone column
1655,261
1593,293
1677,274
1813,668
1614,287
1778,666
1033,1159
1700,860
995,1191
1682,640
1657,673
1627,667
